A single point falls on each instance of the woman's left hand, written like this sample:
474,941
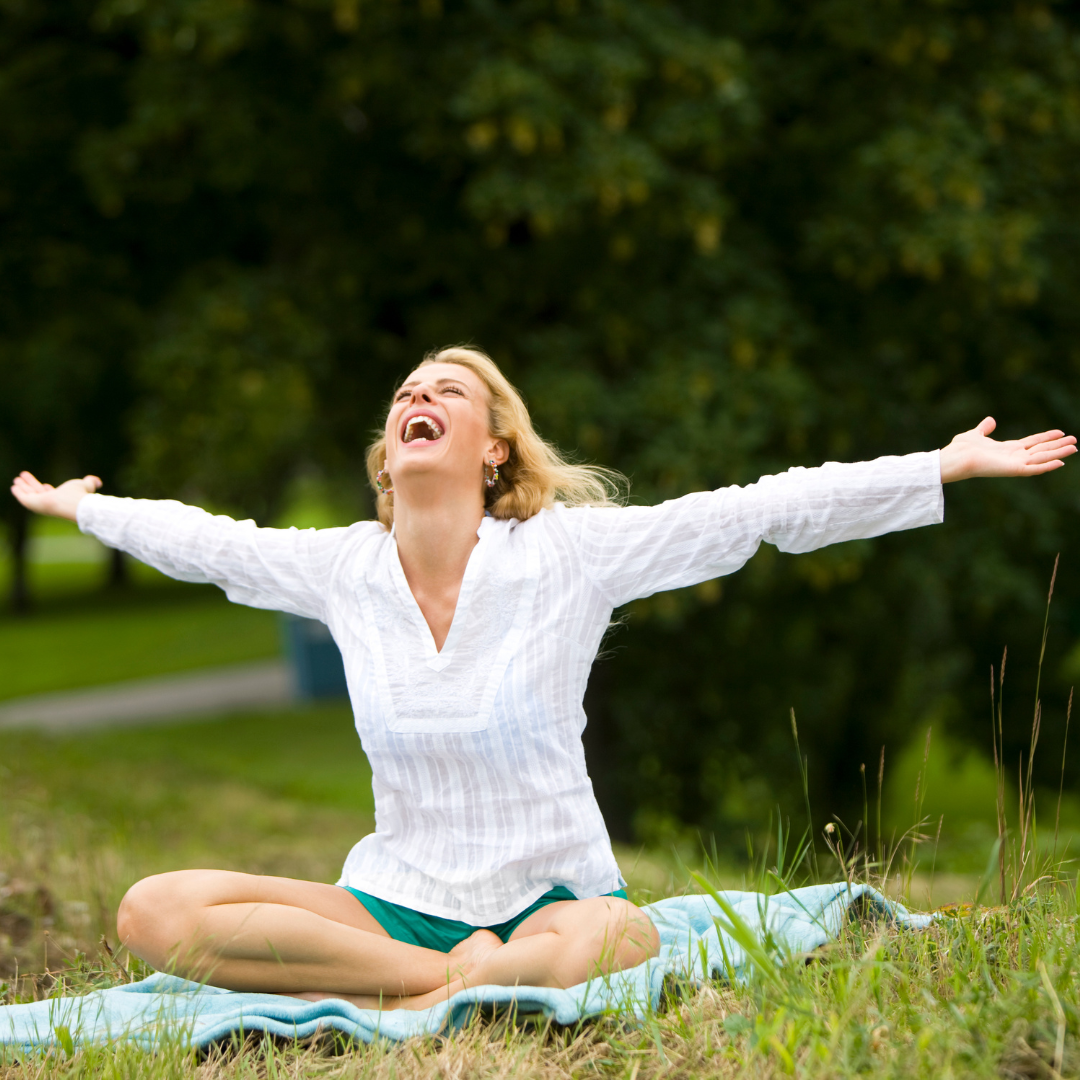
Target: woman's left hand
974,453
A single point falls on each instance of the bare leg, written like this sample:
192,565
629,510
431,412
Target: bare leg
463,959
274,935
561,945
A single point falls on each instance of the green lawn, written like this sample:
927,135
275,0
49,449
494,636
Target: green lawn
151,631
80,633
85,815
989,993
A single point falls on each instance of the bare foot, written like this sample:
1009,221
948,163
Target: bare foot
463,960
464,971
473,951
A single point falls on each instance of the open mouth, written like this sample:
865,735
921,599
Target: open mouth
422,429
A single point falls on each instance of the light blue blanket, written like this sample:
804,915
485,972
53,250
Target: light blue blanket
698,940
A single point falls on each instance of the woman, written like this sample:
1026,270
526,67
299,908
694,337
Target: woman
468,617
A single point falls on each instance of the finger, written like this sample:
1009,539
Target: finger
986,426
28,478
1037,470
1045,436
1053,444
28,498
1055,455
91,482
36,486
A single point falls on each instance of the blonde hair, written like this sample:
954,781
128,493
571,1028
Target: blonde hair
535,475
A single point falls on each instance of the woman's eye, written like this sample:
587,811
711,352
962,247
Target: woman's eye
452,390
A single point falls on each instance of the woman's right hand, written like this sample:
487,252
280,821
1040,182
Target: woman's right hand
60,501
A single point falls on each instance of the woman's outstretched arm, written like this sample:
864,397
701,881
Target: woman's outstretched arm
974,453
639,550
281,569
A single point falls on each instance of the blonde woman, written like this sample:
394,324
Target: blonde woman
468,617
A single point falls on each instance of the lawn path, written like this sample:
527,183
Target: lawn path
265,684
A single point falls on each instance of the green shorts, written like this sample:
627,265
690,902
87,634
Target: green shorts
435,932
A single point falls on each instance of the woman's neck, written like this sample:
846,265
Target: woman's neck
434,542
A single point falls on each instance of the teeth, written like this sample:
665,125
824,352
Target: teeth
427,421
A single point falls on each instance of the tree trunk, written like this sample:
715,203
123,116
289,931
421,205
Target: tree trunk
118,570
20,588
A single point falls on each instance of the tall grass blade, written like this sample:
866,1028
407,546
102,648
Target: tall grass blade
1059,1016
1061,785
804,773
1046,628
865,813
989,873
999,767
880,783
736,927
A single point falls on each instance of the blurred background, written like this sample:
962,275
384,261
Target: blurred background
707,241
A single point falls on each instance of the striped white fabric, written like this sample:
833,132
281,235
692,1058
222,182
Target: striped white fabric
483,802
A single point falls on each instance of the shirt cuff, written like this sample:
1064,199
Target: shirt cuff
91,515
937,486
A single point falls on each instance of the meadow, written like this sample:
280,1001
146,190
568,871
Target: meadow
989,990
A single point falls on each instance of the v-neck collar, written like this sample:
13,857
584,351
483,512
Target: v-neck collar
435,658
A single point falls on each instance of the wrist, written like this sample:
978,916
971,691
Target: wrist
70,507
954,464
69,497
945,458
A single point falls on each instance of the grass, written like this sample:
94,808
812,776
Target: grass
152,627
987,992
984,996
82,817
147,632
80,634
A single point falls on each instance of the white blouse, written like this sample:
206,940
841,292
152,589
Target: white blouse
482,799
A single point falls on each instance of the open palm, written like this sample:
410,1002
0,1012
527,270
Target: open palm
974,453
60,501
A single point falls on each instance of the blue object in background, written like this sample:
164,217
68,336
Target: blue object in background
318,670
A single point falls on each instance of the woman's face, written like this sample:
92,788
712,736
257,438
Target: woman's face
438,423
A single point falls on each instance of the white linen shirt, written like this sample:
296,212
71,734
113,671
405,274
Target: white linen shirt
482,799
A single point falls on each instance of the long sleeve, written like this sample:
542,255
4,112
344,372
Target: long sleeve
282,569
631,552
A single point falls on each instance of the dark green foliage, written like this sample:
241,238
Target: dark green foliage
708,240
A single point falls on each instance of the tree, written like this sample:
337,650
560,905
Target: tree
69,312
708,241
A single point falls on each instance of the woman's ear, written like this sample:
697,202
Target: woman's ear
498,451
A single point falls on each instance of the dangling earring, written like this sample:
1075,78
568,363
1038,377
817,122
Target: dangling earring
493,479
379,482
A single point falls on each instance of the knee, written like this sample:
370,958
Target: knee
151,916
638,936
629,936
132,915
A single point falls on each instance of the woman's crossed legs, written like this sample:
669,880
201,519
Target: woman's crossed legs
311,940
